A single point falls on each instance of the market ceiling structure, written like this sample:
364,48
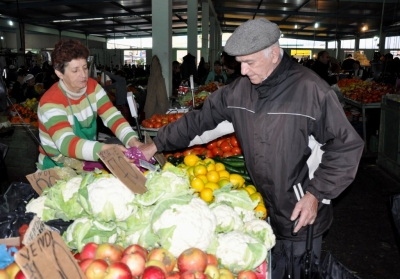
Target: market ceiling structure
108,19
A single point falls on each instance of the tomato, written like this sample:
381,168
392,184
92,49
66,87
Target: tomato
233,141
198,150
236,150
171,117
188,152
227,154
211,145
225,146
157,125
217,151
179,115
220,141
208,154
177,154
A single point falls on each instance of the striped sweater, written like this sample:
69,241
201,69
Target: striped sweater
56,122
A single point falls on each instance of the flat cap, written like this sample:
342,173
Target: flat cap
252,36
28,77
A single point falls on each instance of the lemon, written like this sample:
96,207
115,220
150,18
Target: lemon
190,171
197,184
210,167
261,210
213,176
237,180
256,197
200,169
209,161
206,194
191,160
223,182
224,174
211,185
145,173
219,166
250,189
203,177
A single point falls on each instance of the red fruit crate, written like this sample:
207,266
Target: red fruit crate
261,271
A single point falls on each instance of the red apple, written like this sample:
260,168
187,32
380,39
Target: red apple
96,269
191,274
212,271
118,270
225,273
158,264
153,272
135,262
246,274
77,256
135,248
212,259
84,264
12,269
20,275
4,274
192,259
164,256
174,275
89,251
109,252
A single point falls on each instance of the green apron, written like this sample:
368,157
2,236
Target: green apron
88,133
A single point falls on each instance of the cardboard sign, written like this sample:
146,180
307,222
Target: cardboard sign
160,158
48,257
129,174
42,179
36,227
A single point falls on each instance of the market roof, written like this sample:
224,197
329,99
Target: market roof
117,19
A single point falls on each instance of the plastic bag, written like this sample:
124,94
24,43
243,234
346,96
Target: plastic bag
6,255
16,197
135,154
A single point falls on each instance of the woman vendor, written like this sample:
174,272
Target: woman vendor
67,111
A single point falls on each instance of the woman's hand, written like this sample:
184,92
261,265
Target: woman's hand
134,142
120,147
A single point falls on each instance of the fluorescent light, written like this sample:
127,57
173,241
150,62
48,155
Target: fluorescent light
295,27
10,23
316,25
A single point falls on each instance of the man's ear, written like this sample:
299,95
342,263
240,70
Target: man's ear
276,53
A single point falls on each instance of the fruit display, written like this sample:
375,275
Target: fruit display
27,110
160,120
364,91
186,100
225,146
359,56
210,87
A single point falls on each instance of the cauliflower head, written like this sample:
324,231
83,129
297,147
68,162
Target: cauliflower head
227,218
262,231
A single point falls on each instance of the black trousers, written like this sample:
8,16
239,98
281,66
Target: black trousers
288,258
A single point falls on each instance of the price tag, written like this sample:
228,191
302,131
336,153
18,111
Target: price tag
42,179
160,158
129,174
48,257
36,227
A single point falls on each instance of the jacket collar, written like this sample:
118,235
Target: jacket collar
277,76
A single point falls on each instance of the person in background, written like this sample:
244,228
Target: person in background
217,75
231,66
176,76
202,72
358,71
321,67
347,65
292,131
188,68
50,78
29,88
67,111
17,91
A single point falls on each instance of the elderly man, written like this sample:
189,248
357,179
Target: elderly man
321,67
292,131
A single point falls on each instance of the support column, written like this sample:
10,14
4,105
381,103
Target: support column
192,27
205,14
357,43
213,42
20,35
162,38
382,40
339,51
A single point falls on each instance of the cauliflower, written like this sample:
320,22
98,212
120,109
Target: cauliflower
261,230
37,206
110,199
181,226
238,251
227,219
245,215
71,188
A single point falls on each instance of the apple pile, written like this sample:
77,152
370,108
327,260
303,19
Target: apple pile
111,261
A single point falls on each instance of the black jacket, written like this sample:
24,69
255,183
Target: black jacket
275,123
322,70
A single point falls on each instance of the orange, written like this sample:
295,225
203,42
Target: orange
206,194
197,184
261,209
213,176
224,174
219,166
211,185
200,169
191,160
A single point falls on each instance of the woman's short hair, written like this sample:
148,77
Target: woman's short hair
67,50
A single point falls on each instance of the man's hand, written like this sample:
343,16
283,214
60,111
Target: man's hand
134,142
148,150
307,208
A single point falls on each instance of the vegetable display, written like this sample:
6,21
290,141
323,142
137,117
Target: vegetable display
364,91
